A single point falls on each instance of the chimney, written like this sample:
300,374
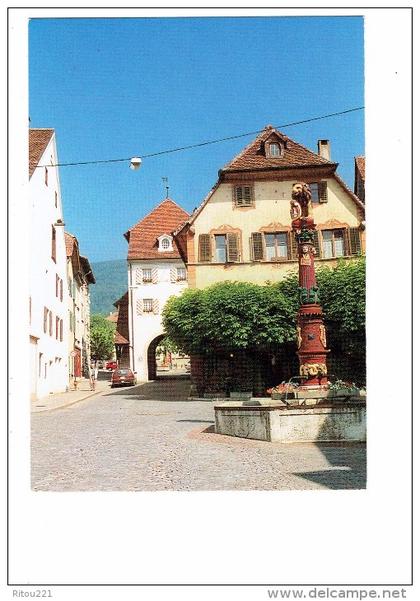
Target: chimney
324,150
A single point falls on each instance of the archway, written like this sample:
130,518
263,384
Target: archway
151,357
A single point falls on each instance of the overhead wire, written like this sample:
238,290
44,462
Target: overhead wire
206,143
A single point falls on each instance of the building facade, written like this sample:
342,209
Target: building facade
48,325
155,272
242,229
78,278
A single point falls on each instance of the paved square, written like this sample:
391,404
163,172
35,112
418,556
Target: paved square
151,438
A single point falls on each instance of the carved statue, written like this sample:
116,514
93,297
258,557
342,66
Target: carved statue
301,193
295,210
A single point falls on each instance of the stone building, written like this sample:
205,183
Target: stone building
242,232
48,326
79,277
155,272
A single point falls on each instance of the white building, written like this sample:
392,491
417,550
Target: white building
79,276
48,326
155,272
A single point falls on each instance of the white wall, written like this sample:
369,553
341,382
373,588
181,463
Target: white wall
146,327
51,354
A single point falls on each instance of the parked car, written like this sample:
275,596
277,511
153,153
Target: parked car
111,365
123,377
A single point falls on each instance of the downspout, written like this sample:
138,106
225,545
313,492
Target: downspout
131,341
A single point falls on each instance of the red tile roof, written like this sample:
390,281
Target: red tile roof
360,164
38,141
142,237
253,156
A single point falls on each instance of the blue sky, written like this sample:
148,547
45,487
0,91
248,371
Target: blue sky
115,88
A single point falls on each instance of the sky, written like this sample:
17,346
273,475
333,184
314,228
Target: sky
116,88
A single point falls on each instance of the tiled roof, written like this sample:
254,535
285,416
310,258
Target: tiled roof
142,237
38,141
71,241
87,270
360,164
253,156
113,317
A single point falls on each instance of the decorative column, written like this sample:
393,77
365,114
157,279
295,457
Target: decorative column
311,339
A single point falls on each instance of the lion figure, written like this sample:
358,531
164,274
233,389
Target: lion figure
301,193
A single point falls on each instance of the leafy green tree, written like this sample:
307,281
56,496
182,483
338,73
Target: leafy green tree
229,316
101,337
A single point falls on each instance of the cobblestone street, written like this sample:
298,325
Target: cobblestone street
151,438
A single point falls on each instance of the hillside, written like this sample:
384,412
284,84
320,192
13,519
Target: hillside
111,283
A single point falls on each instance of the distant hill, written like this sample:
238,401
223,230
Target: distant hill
111,283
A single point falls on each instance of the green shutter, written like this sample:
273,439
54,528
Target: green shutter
292,247
323,191
204,248
232,248
355,247
257,246
316,244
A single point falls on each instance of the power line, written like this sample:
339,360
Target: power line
208,142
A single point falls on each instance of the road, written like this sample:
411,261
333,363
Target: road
150,437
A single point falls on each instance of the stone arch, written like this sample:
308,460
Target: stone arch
151,357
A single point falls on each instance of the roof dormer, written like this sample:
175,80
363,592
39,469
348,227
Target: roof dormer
274,146
165,243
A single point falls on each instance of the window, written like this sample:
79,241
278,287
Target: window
61,289
53,244
45,319
319,192
243,196
50,322
220,246
333,243
274,150
46,176
147,305
165,244
61,330
147,275
181,274
57,327
55,199
273,246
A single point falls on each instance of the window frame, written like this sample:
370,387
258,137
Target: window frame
145,303
276,257
242,186
333,231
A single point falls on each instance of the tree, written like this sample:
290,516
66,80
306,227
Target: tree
229,316
101,337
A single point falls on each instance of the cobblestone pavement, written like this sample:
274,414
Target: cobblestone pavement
151,438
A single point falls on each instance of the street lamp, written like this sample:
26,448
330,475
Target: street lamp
135,163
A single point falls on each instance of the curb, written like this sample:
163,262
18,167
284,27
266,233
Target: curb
70,403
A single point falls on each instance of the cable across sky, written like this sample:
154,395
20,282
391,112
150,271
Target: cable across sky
208,142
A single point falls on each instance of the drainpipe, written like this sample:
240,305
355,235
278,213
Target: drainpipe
131,317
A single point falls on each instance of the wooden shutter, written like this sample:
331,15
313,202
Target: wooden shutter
257,246
155,306
139,276
232,248
173,275
316,244
204,248
247,194
355,247
139,307
155,275
239,198
323,192
292,249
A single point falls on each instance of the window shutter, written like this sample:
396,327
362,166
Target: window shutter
139,307
316,244
139,276
247,195
239,199
155,306
292,249
204,249
354,241
173,275
257,246
155,275
323,192
232,248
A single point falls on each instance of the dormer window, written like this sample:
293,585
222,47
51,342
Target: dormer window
274,149
165,243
